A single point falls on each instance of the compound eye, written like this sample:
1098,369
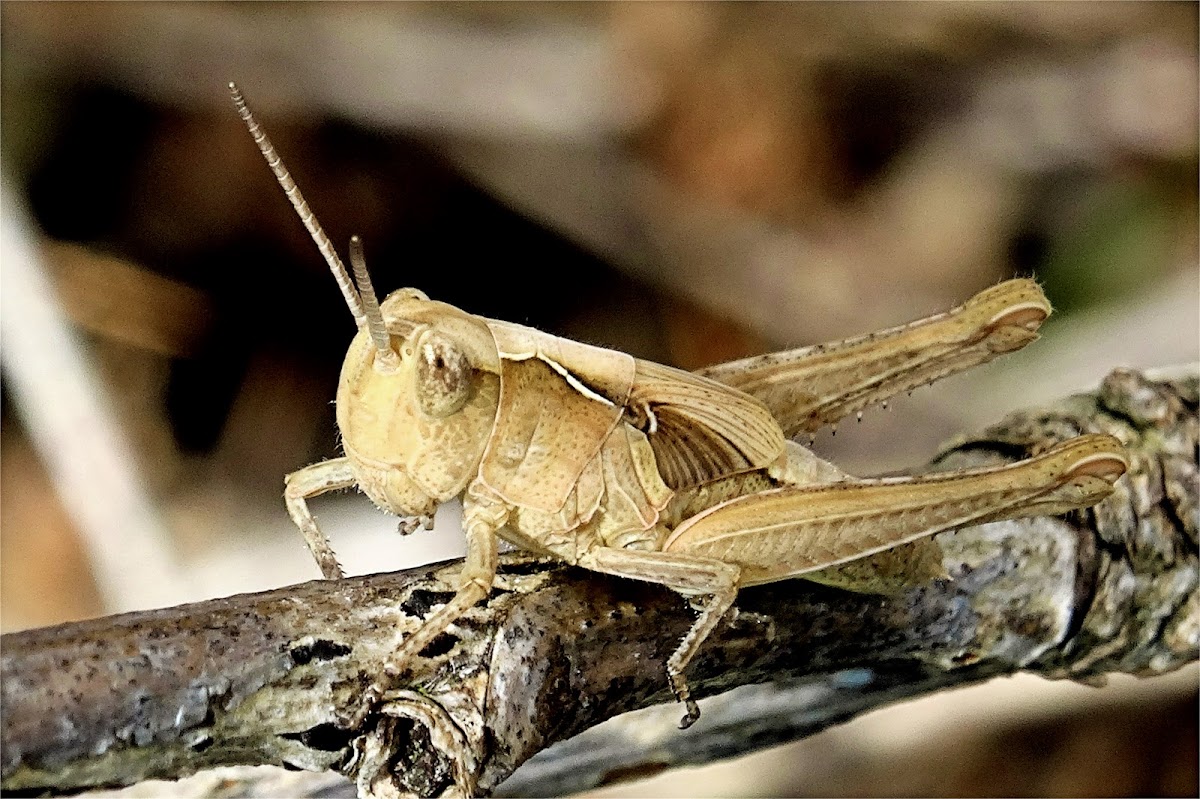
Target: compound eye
443,375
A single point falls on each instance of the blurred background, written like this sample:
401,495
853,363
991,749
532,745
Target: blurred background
686,182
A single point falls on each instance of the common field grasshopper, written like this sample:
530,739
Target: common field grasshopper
634,469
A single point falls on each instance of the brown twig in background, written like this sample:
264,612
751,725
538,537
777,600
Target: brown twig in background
262,678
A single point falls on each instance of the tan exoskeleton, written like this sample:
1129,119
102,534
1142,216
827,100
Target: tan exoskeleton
638,470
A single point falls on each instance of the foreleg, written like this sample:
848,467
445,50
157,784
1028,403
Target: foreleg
309,482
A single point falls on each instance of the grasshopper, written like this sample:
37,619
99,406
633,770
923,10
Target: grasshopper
638,470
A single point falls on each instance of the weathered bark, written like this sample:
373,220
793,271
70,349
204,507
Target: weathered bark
261,678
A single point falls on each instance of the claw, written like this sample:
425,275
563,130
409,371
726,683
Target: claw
683,693
692,715
353,720
410,524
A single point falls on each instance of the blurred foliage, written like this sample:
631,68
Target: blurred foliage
1119,237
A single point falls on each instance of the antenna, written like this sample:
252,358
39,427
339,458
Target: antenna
306,215
371,312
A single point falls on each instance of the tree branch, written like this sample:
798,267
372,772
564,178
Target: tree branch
261,678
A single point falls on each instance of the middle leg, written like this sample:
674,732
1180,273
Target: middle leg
481,520
689,575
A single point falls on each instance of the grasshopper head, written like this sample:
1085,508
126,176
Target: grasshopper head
415,423
420,386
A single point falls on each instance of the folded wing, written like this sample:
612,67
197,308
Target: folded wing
700,429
